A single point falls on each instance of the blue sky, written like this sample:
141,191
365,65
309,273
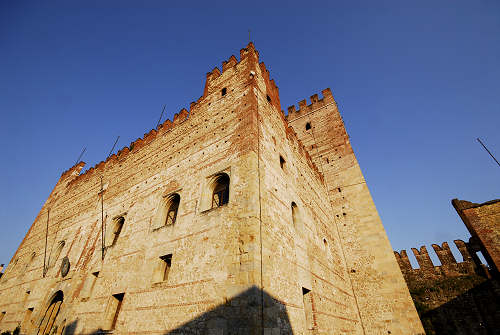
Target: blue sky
416,83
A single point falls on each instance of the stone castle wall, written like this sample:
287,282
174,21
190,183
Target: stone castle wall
454,297
379,289
459,297
274,259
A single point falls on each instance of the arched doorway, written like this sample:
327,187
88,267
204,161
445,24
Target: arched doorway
49,318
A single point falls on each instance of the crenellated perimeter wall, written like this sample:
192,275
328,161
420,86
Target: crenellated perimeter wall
456,297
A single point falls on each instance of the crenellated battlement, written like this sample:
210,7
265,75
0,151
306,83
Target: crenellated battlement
148,137
316,103
449,265
249,53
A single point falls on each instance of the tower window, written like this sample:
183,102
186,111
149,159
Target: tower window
27,318
224,91
220,195
89,285
308,308
282,162
116,229
295,214
308,126
268,98
166,265
113,310
52,260
173,207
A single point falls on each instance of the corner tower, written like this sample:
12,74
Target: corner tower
380,291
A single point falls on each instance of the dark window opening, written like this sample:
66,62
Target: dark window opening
166,265
94,277
220,195
268,98
224,91
117,228
27,318
308,126
325,242
117,301
282,162
173,208
294,214
308,309
2,315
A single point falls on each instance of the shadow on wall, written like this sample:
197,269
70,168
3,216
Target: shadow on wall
476,311
238,315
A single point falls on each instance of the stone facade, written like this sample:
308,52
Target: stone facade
231,219
459,298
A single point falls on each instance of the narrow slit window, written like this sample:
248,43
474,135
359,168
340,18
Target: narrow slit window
113,310
52,260
27,318
166,266
295,214
117,228
93,280
2,316
308,310
26,296
308,126
224,91
173,207
220,195
282,162
268,98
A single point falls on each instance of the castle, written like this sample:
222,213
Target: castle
230,219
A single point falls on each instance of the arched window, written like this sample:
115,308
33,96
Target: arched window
308,126
57,253
172,207
295,214
48,323
220,193
167,210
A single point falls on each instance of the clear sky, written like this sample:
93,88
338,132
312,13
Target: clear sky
416,82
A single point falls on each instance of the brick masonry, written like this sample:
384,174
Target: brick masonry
241,268
459,297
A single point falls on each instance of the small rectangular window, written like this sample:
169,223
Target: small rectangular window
224,91
282,162
2,315
167,264
27,318
308,311
93,280
113,310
